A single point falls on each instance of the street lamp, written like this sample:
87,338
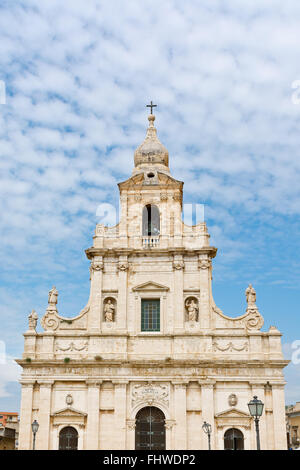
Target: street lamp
207,429
35,428
256,408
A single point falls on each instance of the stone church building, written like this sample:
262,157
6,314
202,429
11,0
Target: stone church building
151,357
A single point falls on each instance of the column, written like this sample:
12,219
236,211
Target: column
208,413
93,407
178,266
120,415
95,312
258,390
122,293
180,431
279,417
25,434
43,434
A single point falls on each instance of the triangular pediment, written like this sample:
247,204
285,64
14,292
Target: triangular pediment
69,412
150,286
233,413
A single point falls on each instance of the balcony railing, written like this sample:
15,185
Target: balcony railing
150,242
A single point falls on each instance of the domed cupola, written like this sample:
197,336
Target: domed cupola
151,154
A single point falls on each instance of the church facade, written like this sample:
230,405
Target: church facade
151,357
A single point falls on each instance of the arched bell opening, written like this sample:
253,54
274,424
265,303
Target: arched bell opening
151,221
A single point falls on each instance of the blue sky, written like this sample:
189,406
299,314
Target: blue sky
78,75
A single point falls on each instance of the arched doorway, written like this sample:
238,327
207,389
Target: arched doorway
68,439
151,221
233,439
150,433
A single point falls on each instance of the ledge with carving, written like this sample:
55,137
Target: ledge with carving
251,320
52,321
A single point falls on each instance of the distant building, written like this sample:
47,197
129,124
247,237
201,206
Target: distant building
9,430
293,425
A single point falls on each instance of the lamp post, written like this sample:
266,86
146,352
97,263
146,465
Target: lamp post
207,429
256,408
34,427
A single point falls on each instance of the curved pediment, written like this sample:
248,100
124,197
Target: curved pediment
150,286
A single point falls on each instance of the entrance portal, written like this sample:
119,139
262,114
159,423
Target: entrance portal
150,433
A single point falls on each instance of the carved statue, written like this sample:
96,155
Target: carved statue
32,320
250,295
192,309
52,297
109,309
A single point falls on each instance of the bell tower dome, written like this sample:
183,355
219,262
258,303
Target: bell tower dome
151,154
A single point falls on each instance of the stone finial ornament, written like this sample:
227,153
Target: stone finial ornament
32,320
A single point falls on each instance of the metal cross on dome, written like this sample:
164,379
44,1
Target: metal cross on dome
151,105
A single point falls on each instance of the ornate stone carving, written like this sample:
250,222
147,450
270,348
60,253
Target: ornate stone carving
191,305
69,399
137,197
149,393
169,423
50,320
32,320
230,347
163,196
109,309
72,346
204,263
131,423
253,321
123,266
96,266
178,265
177,197
232,399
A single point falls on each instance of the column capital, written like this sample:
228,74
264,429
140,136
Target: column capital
207,383
93,382
45,383
27,383
180,383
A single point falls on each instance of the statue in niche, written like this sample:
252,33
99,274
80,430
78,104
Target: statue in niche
109,310
32,320
52,296
192,309
250,295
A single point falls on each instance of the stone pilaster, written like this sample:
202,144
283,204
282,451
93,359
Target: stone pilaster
279,417
93,403
25,434
204,264
123,267
178,306
43,434
95,313
180,430
120,415
208,413
258,390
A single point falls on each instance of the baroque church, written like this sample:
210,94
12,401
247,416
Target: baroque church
151,357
